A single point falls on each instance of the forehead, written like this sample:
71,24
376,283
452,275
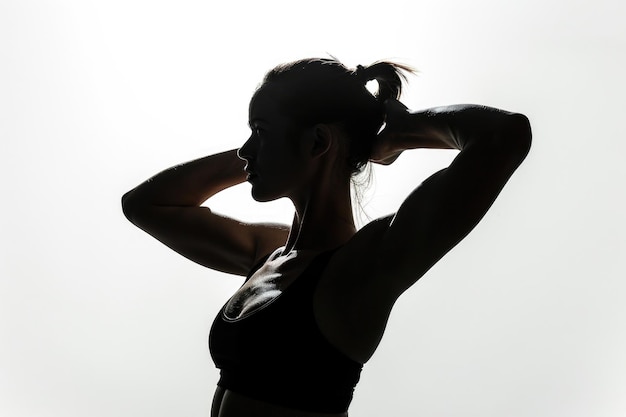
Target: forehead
266,103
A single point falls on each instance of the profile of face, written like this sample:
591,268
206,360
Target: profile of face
277,161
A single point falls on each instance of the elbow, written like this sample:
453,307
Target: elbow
518,136
137,208
128,206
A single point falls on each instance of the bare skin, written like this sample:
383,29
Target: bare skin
374,265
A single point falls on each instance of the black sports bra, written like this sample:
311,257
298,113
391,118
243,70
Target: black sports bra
279,355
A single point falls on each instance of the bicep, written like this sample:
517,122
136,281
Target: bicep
442,211
210,239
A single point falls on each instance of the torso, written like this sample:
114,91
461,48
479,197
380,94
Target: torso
350,313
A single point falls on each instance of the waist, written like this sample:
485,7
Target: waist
298,391
227,403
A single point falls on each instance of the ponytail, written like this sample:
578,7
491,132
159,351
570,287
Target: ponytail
388,76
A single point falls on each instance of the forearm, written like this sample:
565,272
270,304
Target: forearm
458,126
189,184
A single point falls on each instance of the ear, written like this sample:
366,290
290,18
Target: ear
322,139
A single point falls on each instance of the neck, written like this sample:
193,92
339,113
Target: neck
323,218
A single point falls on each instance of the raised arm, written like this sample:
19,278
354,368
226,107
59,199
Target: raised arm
168,207
449,204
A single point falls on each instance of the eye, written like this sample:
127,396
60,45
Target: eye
257,131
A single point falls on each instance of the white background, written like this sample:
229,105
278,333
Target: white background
525,318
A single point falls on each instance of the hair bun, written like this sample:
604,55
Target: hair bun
388,75
361,74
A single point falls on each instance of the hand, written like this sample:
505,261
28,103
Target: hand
387,147
425,129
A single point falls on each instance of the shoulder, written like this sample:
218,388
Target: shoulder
358,261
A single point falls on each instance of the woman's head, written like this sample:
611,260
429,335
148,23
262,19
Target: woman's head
318,90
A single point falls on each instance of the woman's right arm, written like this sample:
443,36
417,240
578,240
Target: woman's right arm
168,207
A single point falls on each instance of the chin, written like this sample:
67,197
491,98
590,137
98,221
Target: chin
263,197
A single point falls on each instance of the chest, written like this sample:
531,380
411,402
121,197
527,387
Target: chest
267,284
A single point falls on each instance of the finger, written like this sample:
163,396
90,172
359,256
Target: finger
393,106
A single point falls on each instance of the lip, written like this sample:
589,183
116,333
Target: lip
248,170
251,175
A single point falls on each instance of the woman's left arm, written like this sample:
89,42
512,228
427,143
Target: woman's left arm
449,127
447,206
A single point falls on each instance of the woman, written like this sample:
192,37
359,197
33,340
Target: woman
292,340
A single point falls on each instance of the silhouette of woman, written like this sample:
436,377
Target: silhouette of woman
313,308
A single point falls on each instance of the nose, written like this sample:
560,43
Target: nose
246,150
